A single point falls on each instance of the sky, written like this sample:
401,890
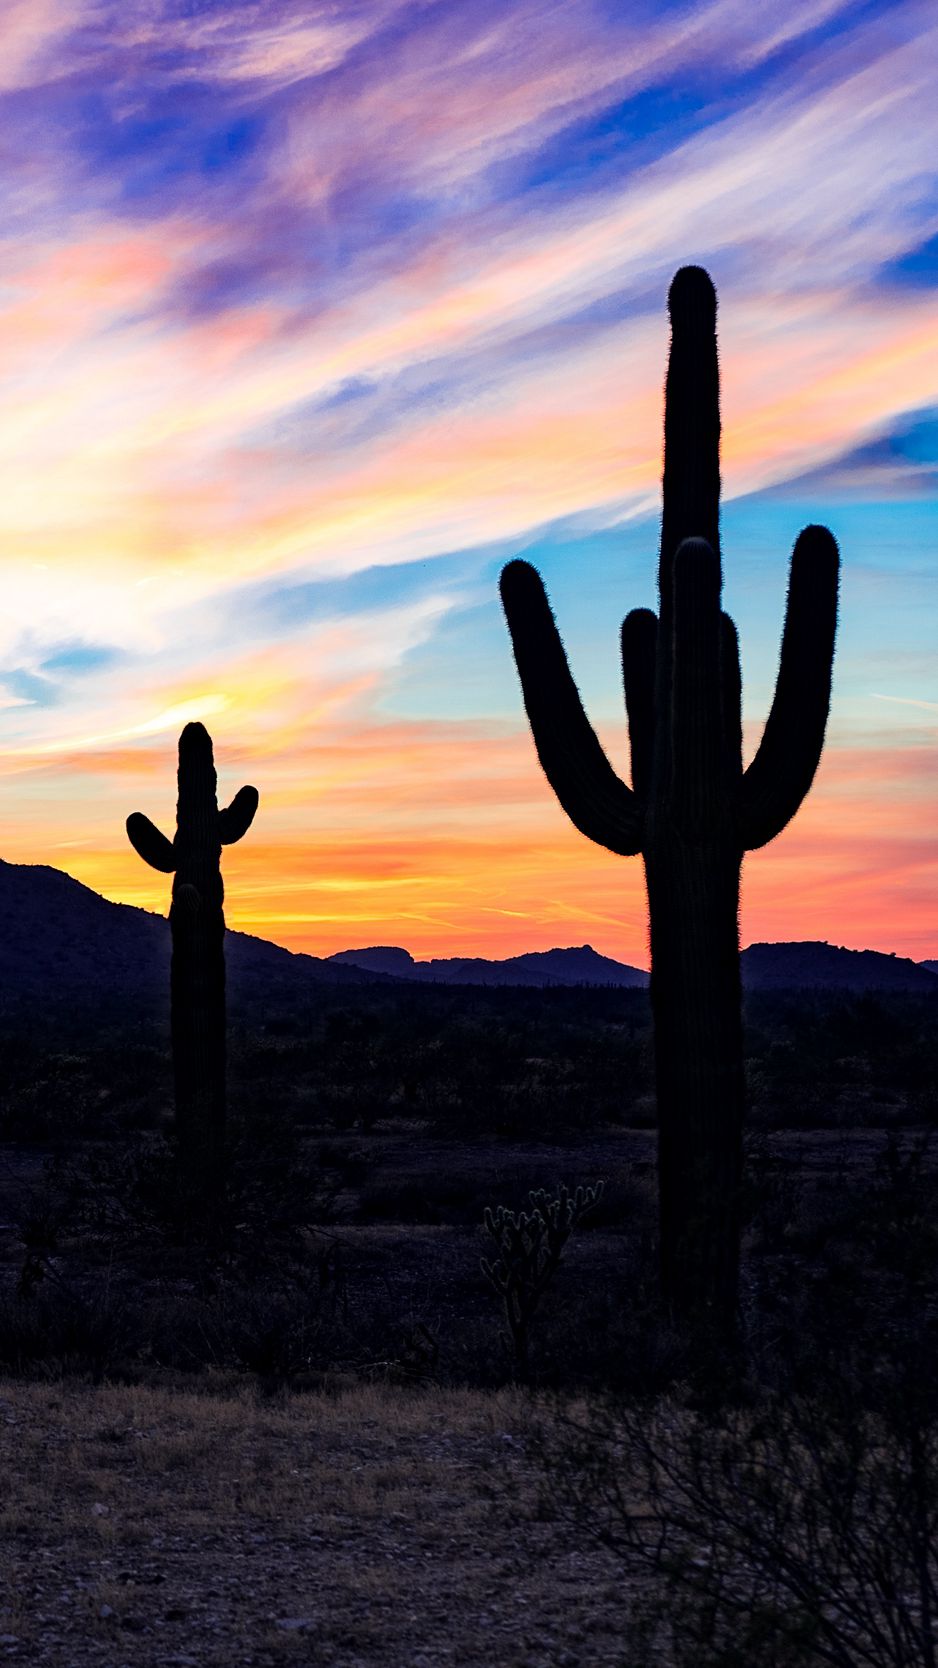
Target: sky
313,315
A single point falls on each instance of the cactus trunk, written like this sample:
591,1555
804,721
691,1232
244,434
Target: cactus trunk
197,978
692,811
197,994
693,895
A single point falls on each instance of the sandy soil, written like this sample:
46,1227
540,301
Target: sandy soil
143,1526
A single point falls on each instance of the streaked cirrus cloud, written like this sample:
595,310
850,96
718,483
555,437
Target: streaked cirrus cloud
311,314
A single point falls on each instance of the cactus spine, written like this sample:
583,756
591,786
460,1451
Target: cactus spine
692,810
197,920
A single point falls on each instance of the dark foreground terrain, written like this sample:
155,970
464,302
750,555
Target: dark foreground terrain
369,1131
299,1432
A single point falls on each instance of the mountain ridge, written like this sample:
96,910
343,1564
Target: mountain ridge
579,964
61,943
798,963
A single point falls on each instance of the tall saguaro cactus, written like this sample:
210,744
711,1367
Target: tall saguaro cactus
692,811
197,920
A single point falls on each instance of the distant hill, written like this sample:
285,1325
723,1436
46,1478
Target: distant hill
932,966
61,943
539,969
379,958
809,965
815,965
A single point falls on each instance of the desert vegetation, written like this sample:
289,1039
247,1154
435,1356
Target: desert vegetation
316,1392
355,1212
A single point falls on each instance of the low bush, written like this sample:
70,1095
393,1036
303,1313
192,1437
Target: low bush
796,1533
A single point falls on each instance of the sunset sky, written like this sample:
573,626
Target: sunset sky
312,315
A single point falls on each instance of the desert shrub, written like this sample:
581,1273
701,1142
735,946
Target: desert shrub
833,1060
57,1097
276,1184
57,1329
132,1196
603,1329
786,1511
56,1087
277,1333
770,1195
799,1532
276,1320
852,1278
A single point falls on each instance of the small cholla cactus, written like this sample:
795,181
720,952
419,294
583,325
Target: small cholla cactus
530,1246
197,980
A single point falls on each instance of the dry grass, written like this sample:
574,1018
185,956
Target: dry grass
151,1526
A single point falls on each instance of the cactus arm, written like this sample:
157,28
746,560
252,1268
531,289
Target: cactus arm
186,901
783,769
595,800
235,820
691,484
639,648
697,777
150,844
731,692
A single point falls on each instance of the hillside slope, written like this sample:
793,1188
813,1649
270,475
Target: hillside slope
61,943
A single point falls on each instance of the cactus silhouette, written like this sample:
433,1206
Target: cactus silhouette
197,980
530,1247
692,810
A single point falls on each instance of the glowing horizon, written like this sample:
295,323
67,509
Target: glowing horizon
312,316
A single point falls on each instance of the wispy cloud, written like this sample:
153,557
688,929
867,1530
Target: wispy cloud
907,701
292,292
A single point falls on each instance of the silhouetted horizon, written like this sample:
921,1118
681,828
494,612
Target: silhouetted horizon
59,916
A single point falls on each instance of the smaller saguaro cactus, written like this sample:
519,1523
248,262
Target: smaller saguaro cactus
530,1247
197,920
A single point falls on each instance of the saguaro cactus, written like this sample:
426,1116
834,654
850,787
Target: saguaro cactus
692,810
197,920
